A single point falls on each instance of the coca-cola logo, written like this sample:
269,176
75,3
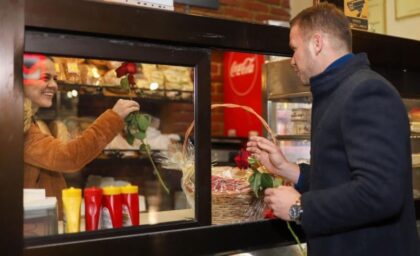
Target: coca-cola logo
243,71
242,68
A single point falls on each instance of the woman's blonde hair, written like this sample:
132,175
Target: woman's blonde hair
27,114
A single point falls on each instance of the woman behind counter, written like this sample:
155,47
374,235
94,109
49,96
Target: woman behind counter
46,158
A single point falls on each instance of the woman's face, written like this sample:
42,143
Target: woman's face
40,85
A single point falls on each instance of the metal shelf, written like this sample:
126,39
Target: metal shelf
293,137
158,94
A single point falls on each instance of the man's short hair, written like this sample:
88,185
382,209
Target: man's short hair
327,18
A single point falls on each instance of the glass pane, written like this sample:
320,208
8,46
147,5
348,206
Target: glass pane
413,107
82,174
252,105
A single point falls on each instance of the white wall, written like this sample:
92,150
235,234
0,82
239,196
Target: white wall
408,27
298,5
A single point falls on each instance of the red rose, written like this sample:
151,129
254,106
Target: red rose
131,67
131,79
242,159
126,68
121,71
269,214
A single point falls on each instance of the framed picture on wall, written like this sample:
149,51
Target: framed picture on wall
406,8
377,16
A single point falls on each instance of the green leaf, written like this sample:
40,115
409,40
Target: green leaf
266,181
251,160
125,84
140,135
251,178
277,181
143,122
130,137
256,184
129,118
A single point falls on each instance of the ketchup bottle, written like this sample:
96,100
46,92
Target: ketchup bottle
93,202
111,207
130,205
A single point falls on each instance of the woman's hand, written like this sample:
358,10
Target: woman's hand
125,107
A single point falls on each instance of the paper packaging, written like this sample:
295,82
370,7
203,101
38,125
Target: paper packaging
40,213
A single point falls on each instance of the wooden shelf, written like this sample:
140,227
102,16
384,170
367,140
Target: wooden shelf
117,91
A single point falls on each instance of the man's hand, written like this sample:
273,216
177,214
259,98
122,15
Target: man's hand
125,107
271,156
280,200
267,153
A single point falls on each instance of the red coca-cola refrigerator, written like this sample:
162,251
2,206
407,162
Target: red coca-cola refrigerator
242,86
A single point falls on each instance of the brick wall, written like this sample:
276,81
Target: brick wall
255,11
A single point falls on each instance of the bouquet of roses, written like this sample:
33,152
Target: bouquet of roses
261,179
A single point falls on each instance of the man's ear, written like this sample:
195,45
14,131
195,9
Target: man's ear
317,42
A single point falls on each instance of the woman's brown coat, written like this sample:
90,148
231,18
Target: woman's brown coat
46,157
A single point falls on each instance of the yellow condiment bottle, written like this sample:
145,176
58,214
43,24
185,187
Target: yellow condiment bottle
72,199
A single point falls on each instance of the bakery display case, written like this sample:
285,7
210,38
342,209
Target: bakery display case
88,84
412,106
99,31
287,109
86,88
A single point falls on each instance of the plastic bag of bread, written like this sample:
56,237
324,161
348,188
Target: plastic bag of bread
153,74
110,78
71,68
89,74
59,69
97,62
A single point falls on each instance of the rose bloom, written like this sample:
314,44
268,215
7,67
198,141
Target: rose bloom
126,68
242,159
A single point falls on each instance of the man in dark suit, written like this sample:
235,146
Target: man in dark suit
355,198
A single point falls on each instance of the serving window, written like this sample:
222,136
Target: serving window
169,84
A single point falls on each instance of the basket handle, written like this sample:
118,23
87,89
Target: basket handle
229,105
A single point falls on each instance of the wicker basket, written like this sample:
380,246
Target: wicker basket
227,207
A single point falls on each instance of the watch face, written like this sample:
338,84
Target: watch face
294,212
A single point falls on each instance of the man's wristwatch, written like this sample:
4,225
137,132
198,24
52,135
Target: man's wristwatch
295,212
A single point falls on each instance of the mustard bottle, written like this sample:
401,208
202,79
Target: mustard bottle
72,199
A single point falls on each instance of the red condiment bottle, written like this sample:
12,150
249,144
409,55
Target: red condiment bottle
130,205
93,203
111,208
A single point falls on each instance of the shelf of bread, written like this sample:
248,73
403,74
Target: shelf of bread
99,77
415,160
117,91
